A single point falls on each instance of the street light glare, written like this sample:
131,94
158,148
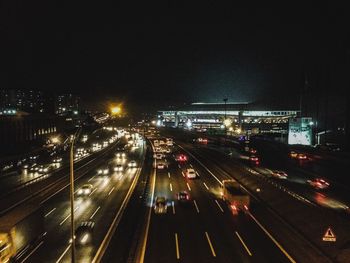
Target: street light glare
115,110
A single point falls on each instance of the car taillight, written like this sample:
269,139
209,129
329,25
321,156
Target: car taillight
233,207
187,197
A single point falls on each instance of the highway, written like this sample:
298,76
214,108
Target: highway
100,206
204,229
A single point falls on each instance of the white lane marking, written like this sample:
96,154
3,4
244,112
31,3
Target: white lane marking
92,177
183,174
188,186
216,201
31,253
171,187
177,247
92,216
64,252
111,191
93,191
210,244
195,204
50,212
273,239
179,166
206,186
68,216
169,174
244,245
191,165
172,204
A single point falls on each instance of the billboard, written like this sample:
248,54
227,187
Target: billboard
300,131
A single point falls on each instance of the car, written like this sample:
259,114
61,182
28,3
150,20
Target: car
86,189
160,205
191,173
181,158
57,160
202,140
118,168
279,174
293,154
132,164
254,159
160,165
121,155
318,183
43,169
252,150
103,171
84,233
158,156
183,196
301,156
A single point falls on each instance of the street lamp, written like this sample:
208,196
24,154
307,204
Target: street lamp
71,177
115,110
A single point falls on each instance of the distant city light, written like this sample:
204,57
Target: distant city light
189,123
227,122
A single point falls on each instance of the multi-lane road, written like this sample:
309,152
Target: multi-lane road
281,225
204,229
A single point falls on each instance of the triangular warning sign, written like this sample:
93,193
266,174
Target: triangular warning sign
329,236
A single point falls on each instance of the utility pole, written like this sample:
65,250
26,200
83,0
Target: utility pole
225,100
71,177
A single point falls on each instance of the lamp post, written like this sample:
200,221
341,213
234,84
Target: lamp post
71,177
225,101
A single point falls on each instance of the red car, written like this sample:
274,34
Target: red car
181,158
318,183
254,159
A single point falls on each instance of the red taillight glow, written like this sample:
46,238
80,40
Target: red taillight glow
233,207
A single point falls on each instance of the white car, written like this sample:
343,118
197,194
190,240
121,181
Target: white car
86,189
118,168
158,156
191,173
121,155
132,164
160,165
104,171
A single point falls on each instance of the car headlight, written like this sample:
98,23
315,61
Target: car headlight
99,171
80,191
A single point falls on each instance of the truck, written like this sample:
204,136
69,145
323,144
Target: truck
233,193
20,231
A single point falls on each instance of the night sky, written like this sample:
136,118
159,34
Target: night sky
171,53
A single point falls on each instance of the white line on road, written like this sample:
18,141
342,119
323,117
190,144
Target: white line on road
50,212
68,216
273,239
172,204
244,245
191,165
64,252
188,186
171,187
111,191
31,253
179,166
93,191
169,174
206,186
177,247
195,204
92,177
210,244
216,201
92,216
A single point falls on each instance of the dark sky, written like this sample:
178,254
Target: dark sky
170,53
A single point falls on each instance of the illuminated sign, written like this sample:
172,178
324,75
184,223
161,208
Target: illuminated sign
300,131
